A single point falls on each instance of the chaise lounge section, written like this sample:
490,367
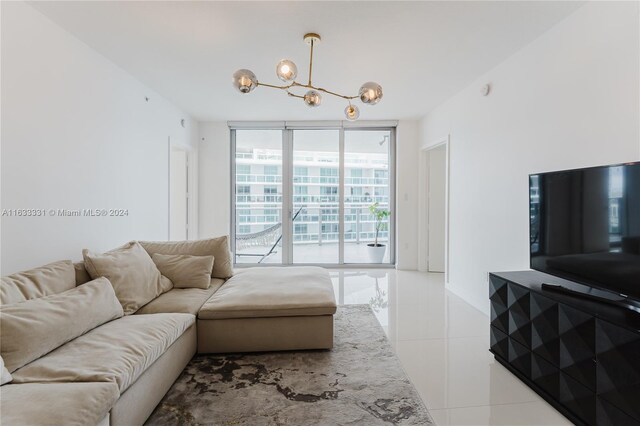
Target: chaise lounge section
269,309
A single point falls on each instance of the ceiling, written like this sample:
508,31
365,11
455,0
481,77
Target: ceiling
421,53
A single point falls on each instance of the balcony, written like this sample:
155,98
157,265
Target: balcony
325,253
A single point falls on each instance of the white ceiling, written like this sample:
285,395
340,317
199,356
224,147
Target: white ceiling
420,52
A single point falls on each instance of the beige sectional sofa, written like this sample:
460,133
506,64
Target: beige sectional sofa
81,352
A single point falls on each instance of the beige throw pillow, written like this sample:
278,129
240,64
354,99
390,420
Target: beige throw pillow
38,282
82,276
185,271
216,247
133,275
5,376
34,328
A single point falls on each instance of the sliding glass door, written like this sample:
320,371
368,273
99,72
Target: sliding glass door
316,196
366,183
257,196
313,196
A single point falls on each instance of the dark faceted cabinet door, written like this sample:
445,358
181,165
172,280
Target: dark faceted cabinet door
586,366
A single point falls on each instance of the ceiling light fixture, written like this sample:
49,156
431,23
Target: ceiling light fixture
245,81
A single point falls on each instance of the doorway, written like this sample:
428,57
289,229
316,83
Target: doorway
434,208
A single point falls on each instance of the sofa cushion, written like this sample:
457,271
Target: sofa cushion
5,376
273,292
184,270
119,351
181,300
38,282
33,328
216,247
133,275
69,404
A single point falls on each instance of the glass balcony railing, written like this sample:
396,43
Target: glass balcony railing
331,180
356,201
316,225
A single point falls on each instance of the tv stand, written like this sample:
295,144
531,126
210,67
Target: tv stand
621,301
577,348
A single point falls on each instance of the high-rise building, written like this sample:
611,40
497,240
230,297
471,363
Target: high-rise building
316,193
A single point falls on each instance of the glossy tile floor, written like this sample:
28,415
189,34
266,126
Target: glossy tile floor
443,345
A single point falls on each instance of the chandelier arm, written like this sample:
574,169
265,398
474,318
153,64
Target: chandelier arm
308,86
293,95
329,92
276,87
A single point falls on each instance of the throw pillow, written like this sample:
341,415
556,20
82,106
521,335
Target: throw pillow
185,271
133,275
216,247
42,281
34,328
5,376
82,276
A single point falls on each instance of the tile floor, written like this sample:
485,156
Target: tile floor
442,343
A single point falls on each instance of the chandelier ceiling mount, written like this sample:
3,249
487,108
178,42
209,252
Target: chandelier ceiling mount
246,81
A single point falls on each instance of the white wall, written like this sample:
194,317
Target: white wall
407,162
569,99
214,194
77,133
436,208
214,156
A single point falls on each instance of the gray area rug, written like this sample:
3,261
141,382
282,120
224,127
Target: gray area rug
359,382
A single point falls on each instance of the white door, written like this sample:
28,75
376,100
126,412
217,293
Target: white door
178,195
436,208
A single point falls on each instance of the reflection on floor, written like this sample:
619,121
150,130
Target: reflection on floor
442,343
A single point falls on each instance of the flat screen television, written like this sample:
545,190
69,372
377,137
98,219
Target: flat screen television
585,226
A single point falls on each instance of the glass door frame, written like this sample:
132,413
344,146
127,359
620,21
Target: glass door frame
287,129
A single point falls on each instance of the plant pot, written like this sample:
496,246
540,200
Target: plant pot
376,252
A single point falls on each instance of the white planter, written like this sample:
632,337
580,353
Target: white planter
376,253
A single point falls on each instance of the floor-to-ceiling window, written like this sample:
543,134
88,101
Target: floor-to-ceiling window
318,153
310,195
257,195
366,183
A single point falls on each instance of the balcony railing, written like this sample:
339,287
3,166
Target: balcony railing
319,225
245,200
324,180
314,157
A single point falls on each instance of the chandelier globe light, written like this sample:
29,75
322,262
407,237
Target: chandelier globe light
245,81
286,70
352,112
313,98
370,93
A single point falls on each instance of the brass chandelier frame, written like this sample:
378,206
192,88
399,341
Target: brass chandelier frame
246,81
310,39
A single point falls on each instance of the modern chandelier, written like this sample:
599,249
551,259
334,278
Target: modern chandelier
245,81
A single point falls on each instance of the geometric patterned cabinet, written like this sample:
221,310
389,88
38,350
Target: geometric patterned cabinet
582,356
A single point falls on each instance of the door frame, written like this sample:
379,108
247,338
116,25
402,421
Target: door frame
423,208
191,190
287,185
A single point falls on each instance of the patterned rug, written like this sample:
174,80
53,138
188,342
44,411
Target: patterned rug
359,382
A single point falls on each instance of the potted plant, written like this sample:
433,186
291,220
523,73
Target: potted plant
376,251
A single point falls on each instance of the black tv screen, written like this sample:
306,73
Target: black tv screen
585,226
